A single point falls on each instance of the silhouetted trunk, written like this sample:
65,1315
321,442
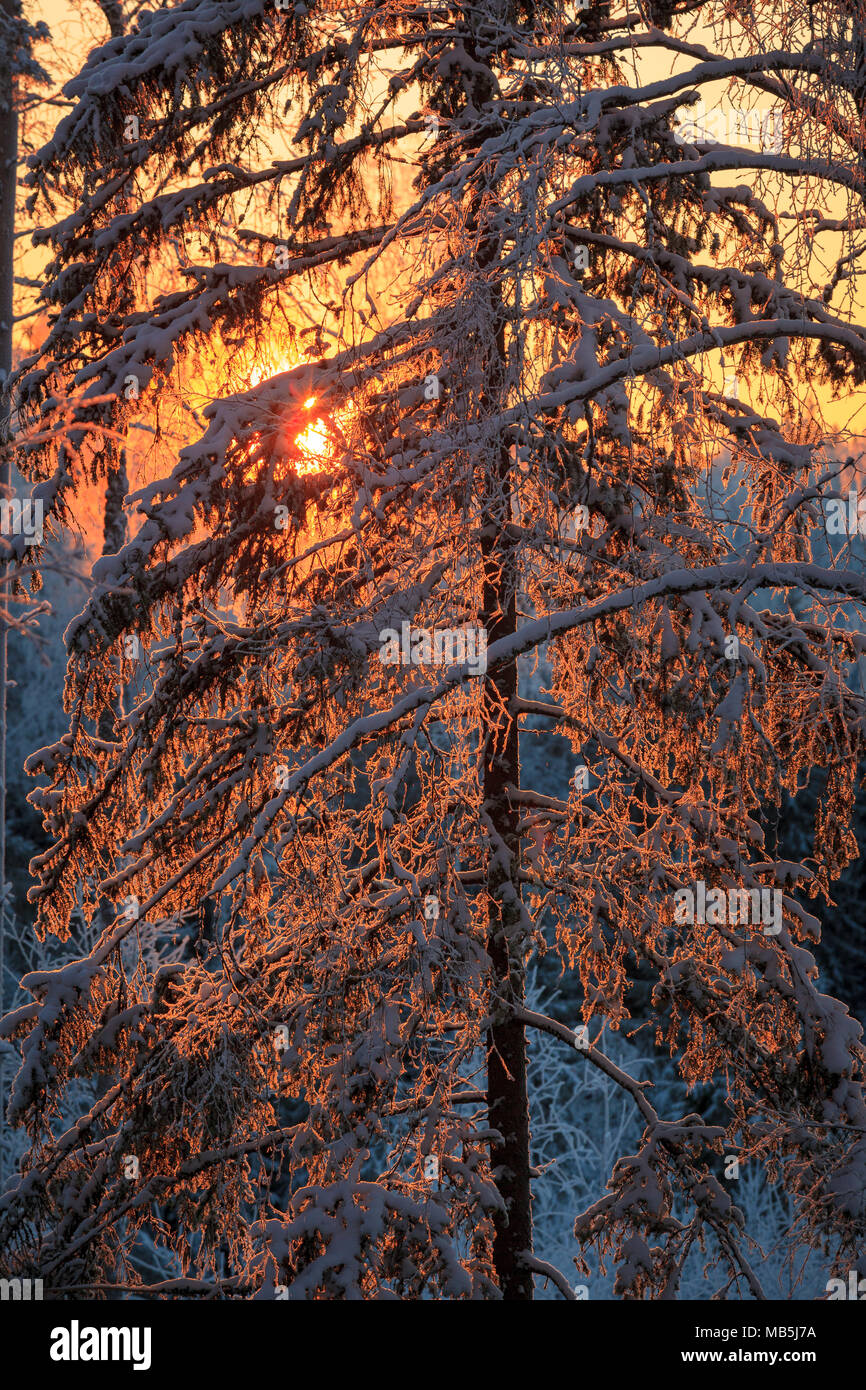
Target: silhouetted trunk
507,1094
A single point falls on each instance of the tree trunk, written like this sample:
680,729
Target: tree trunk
507,1096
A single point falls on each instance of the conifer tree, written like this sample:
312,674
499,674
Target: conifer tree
575,423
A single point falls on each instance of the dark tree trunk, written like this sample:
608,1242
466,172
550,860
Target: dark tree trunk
507,1095
114,528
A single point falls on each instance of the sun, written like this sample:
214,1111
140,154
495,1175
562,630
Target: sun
313,441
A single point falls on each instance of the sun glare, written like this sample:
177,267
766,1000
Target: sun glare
312,440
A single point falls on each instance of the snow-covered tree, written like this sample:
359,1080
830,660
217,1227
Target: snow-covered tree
579,421
20,74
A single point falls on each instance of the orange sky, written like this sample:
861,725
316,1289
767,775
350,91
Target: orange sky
75,29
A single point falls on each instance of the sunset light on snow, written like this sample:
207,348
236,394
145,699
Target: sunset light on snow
433,670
